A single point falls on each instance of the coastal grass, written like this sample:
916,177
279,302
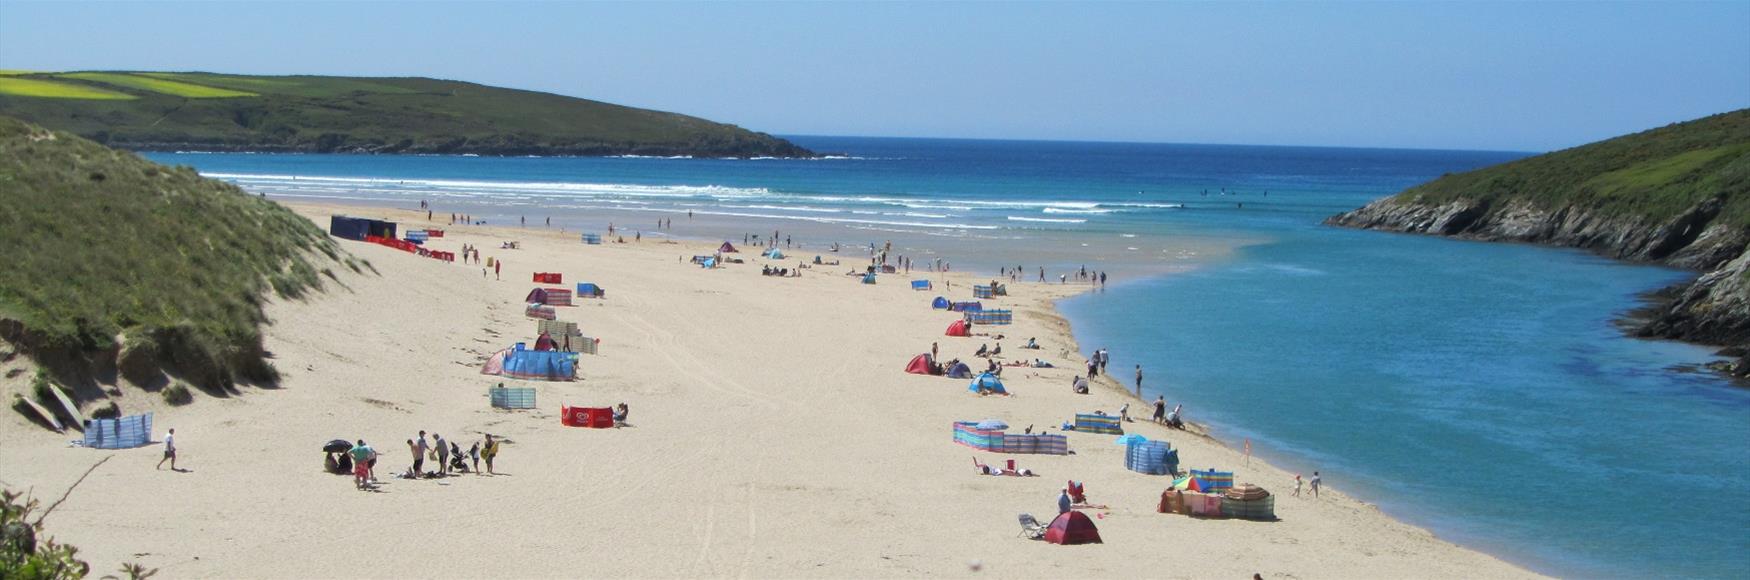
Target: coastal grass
1656,174
157,85
13,85
103,244
365,115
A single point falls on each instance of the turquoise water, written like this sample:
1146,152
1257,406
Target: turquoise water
1480,390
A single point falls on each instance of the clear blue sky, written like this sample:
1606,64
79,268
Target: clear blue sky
1532,76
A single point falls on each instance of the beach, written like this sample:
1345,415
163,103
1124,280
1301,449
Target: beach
772,433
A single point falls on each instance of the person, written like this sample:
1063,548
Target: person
418,460
1124,412
490,452
362,455
1173,417
1314,484
1139,383
1063,502
1160,415
169,451
1105,357
474,454
621,411
497,266
997,351
421,449
983,349
443,454
1032,344
1080,385
933,351
1296,485
1093,368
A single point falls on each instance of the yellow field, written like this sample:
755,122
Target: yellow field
158,85
9,72
10,85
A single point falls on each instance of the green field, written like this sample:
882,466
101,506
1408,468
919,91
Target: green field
1656,174
157,85
11,85
102,243
178,110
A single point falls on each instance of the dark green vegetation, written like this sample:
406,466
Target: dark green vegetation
215,112
26,554
102,245
1655,175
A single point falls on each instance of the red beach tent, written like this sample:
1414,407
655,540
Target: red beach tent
1072,527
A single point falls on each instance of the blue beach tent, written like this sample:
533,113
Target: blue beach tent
940,303
987,382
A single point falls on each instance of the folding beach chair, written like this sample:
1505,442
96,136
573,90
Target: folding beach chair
1031,528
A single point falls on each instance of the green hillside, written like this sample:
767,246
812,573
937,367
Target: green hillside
1656,174
218,112
102,244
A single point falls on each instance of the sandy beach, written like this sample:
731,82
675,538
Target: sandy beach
773,433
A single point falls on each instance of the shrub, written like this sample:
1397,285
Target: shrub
177,394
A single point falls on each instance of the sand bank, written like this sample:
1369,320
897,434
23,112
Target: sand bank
773,434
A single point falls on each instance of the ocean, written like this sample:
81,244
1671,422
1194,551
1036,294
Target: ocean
1483,391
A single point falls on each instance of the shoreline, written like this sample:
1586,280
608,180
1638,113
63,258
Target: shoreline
774,434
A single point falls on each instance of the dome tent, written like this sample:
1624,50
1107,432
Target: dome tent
1072,527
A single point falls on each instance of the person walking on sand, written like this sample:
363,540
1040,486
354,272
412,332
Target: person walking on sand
474,454
1296,485
1314,484
932,351
497,267
1160,415
1124,413
169,451
1139,387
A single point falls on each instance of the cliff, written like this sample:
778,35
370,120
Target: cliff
1677,196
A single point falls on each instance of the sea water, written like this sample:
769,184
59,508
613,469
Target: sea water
1481,390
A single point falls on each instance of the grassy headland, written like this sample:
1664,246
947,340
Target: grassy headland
1677,195
109,250
219,112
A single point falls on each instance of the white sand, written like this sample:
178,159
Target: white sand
774,434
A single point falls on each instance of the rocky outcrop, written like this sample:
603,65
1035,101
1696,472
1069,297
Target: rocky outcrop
1712,309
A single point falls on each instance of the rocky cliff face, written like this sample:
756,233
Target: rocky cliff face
1712,309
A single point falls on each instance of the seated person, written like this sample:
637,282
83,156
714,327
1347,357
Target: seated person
983,350
1031,344
1040,364
998,350
1080,385
621,411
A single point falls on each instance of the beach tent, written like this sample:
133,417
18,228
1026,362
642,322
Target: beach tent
920,365
773,253
708,263
495,363
920,285
960,371
959,328
726,248
544,342
987,382
590,290
1072,527
940,303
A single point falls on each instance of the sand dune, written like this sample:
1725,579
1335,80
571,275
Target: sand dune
773,434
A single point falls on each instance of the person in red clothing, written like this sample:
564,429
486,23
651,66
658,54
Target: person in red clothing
497,266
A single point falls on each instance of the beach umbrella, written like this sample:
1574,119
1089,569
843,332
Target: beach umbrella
992,424
1130,439
337,446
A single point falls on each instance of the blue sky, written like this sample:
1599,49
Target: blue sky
1520,76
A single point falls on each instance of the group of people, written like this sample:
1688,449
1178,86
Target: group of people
1097,363
1170,419
449,456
